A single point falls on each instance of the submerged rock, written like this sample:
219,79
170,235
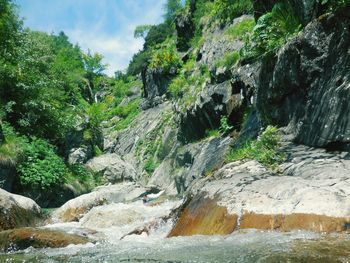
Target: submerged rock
17,211
22,238
76,208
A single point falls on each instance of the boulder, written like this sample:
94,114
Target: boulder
307,85
22,238
17,211
112,167
75,209
80,155
311,193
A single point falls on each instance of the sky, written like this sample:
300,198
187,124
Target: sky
103,26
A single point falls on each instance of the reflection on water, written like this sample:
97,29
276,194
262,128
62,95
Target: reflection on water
248,246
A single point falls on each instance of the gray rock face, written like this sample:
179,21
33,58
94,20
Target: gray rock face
185,31
112,167
217,44
155,85
307,85
214,102
190,162
17,211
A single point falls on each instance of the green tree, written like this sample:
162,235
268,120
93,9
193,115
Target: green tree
141,31
171,8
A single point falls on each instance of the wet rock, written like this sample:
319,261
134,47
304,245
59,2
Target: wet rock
22,238
17,211
75,209
111,215
306,85
202,217
311,193
112,167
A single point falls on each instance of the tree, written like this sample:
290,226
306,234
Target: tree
141,31
94,69
171,8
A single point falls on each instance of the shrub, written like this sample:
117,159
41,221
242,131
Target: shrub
241,29
227,10
11,147
228,60
272,31
166,58
263,150
41,167
225,127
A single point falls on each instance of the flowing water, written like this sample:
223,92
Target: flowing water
108,224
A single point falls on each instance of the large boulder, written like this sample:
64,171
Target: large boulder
22,238
112,167
312,193
17,211
307,85
75,209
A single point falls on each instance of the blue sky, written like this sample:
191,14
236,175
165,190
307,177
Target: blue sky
104,26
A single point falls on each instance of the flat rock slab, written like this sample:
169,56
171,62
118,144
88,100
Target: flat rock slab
76,208
22,238
312,192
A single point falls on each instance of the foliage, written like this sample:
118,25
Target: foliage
227,10
139,62
141,31
41,167
272,31
225,127
158,34
333,5
263,150
241,29
11,147
171,8
150,166
166,57
212,133
228,60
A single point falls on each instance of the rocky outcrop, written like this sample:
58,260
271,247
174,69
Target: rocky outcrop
188,163
17,211
112,168
75,209
214,102
155,86
22,238
311,192
306,85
